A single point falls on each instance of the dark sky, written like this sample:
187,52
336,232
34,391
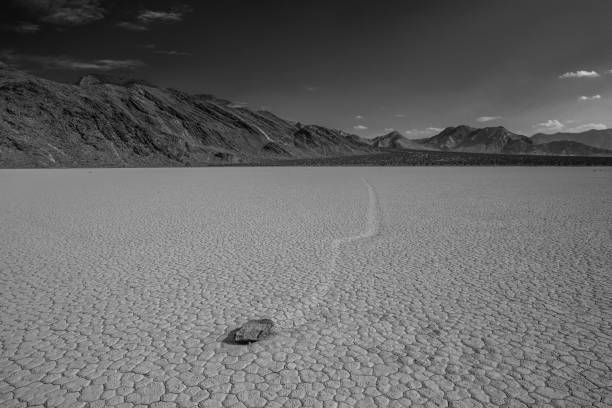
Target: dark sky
361,66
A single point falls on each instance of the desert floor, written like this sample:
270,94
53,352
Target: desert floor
389,287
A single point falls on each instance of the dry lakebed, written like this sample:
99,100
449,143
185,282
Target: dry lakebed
388,287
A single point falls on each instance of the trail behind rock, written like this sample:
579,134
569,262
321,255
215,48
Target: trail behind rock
297,317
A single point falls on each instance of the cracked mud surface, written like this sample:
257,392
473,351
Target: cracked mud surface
389,287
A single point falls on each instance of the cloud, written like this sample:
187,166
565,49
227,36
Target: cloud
389,130
127,25
551,125
487,118
358,117
579,74
74,16
69,63
554,125
360,127
427,131
311,88
147,17
63,12
22,27
150,16
110,64
587,126
589,98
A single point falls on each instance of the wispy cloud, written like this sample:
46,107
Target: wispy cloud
551,125
75,15
360,127
68,63
579,74
63,13
427,131
358,117
554,125
146,18
311,88
389,129
22,27
400,115
589,98
128,25
151,16
587,126
487,118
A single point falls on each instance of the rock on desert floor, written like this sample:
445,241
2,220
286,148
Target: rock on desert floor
389,287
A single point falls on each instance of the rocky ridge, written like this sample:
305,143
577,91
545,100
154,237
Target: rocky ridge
106,121
489,140
102,121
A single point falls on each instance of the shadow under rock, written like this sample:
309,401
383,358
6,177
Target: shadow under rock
231,338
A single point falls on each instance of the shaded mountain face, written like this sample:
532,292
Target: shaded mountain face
601,139
103,121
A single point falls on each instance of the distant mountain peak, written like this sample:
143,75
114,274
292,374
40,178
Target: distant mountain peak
395,140
494,139
460,127
394,133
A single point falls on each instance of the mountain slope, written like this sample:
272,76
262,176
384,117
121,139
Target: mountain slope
596,138
105,122
395,140
486,140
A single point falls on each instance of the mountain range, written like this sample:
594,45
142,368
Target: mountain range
595,137
501,140
103,121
